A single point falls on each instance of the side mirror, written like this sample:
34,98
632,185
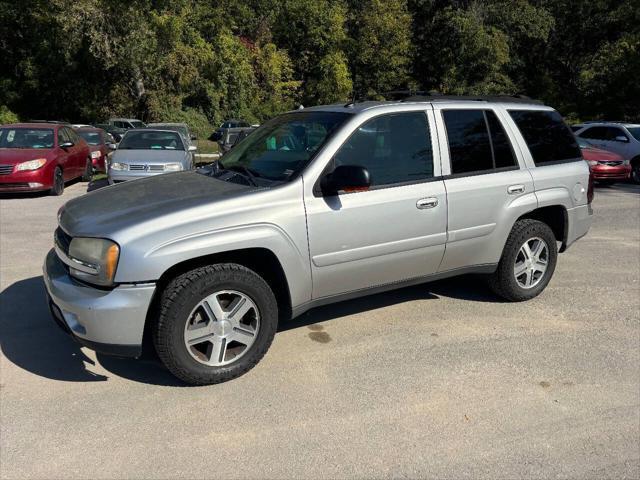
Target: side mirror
111,146
66,145
621,138
192,148
193,137
346,178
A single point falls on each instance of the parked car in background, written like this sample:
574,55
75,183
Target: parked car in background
317,206
621,138
101,145
182,128
126,123
114,131
41,156
607,167
81,125
146,152
228,133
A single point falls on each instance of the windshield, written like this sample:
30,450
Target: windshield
137,124
635,131
92,138
283,146
26,138
151,141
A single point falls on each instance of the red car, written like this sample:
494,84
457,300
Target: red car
99,144
41,156
607,167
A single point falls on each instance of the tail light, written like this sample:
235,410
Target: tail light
590,190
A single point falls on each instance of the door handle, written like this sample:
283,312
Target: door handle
424,203
515,189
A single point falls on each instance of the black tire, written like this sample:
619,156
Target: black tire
88,171
57,188
179,299
503,281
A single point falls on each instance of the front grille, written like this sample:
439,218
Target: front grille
611,163
6,169
146,168
7,186
62,240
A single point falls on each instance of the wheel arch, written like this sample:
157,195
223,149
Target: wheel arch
556,217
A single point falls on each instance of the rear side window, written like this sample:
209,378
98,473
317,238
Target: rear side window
547,136
394,148
477,142
596,133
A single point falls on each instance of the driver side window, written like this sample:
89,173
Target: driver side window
395,149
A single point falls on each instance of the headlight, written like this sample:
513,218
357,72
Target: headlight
31,164
96,259
96,154
119,166
173,167
592,163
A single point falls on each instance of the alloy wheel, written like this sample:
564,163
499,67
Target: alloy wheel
222,328
531,263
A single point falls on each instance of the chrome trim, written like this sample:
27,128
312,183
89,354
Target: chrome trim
74,263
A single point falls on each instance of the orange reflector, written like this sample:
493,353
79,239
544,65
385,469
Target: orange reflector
111,261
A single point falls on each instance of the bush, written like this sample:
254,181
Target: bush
196,120
7,116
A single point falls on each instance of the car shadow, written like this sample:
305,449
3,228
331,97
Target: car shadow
97,184
620,187
30,339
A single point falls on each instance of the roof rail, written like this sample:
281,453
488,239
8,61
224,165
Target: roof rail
474,98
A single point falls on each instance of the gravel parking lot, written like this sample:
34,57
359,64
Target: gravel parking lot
440,380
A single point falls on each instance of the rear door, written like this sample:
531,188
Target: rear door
488,185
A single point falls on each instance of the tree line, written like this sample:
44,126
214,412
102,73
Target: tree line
203,61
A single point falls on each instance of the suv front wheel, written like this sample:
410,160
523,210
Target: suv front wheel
216,323
528,261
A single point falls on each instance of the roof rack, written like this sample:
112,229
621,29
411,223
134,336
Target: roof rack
473,98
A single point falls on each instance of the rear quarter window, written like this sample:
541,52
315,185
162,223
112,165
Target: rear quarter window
547,136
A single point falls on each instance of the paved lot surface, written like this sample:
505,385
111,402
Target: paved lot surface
439,380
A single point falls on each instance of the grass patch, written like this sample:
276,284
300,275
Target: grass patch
98,176
207,146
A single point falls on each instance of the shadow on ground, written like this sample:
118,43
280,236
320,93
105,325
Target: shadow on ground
97,184
31,340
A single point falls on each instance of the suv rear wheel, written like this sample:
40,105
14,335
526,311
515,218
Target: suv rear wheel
528,261
216,323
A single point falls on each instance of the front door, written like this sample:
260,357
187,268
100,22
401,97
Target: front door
392,232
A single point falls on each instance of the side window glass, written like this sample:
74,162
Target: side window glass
547,136
502,149
62,136
613,133
394,149
469,144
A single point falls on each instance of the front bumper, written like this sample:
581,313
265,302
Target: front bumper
603,172
107,321
26,181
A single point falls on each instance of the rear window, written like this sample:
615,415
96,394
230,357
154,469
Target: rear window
547,136
635,131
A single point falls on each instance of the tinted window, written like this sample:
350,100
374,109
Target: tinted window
393,148
72,135
62,136
469,144
635,131
547,136
597,133
614,132
502,150
92,138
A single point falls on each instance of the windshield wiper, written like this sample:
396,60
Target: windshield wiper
248,173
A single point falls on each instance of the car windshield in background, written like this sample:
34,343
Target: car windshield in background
284,145
92,138
26,138
175,128
137,124
151,140
635,131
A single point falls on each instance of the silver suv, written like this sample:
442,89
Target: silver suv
318,206
619,137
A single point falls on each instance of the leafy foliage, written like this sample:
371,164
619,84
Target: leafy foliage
202,62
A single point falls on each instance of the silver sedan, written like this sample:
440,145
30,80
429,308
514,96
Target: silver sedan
147,152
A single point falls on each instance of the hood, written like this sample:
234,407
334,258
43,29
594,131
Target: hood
11,156
103,212
148,156
593,153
